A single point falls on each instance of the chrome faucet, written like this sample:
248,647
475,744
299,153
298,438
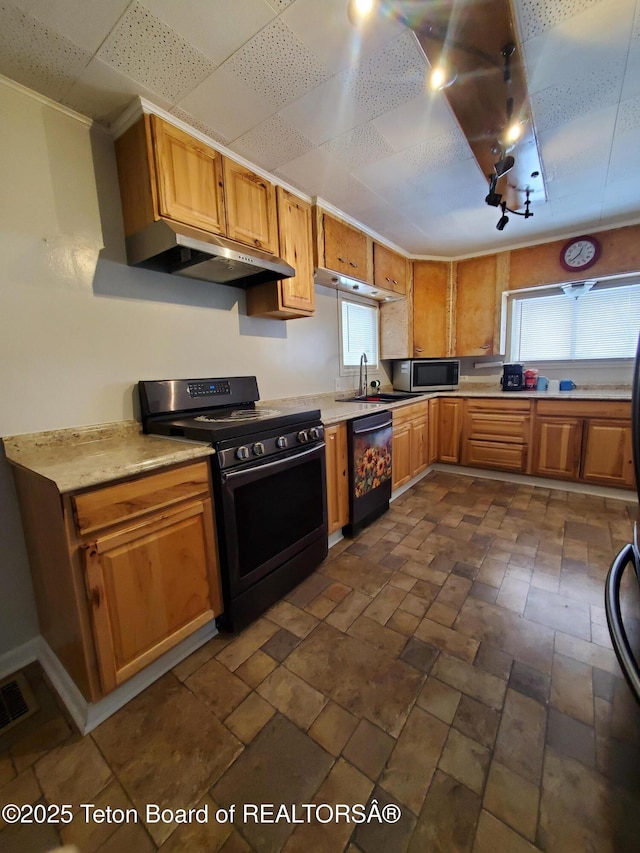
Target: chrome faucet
362,382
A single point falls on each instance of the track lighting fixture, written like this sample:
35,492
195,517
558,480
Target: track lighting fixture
493,198
442,76
502,222
359,10
504,165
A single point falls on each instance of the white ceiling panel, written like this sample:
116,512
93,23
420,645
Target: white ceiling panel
539,16
326,111
359,146
85,24
146,49
581,95
216,29
325,29
223,102
589,203
631,84
625,154
280,5
423,117
271,143
593,39
37,56
199,125
102,92
277,65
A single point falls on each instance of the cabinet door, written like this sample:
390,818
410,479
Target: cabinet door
433,431
449,429
476,307
337,478
431,305
251,208
401,455
296,247
557,443
189,178
389,269
346,249
419,446
150,586
607,457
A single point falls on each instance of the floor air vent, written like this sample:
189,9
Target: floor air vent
16,702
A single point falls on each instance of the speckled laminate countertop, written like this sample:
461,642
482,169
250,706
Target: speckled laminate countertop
76,459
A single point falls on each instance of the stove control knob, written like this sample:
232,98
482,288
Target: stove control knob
314,433
281,442
258,449
242,453
303,436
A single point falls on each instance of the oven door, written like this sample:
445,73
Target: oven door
272,511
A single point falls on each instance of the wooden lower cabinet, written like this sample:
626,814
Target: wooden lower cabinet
335,438
449,429
410,453
586,441
122,573
496,434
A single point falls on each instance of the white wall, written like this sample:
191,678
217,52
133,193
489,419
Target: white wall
78,327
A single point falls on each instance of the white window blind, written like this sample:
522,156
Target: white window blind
359,333
602,323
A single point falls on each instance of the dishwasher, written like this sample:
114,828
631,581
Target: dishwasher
369,441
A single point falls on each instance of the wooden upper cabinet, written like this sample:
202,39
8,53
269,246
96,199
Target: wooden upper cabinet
189,178
252,216
477,307
390,270
291,297
347,250
431,305
296,247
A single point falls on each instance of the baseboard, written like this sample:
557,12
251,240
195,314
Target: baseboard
88,715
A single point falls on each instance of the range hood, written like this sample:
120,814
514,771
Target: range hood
337,281
171,247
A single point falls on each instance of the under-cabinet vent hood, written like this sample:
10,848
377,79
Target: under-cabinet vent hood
337,281
171,247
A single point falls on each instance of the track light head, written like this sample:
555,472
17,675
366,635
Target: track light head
504,165
502,222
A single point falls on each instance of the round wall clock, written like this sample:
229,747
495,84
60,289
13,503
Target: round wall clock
580,253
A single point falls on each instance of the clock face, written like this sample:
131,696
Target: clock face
580,253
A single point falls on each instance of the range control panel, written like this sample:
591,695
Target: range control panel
208,388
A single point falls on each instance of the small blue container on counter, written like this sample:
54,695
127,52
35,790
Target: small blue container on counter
567,384
542,383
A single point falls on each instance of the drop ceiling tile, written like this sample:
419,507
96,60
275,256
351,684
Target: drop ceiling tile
620,198
216,29
631,84
102,92
592,91
326,111
359,146
199,125
390,77
272,143
37,56
85,24
326,30
628,115
425,116
280,5
224,103
596,38
538,16
276,65
581,207
310,171
625,158
146,49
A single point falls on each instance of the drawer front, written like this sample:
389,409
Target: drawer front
412,412
498,405
585,408
498,427
127,501
490,454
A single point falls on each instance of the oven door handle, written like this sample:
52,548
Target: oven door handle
619,639
376,428
277,463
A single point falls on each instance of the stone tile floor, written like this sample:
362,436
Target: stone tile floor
452,660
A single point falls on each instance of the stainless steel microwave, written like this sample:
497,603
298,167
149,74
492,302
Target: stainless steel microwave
421,374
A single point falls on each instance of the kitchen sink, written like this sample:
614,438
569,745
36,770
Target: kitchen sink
389,397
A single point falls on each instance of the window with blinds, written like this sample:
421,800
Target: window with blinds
359,333
601,323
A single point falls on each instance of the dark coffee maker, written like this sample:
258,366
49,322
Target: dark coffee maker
512,377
